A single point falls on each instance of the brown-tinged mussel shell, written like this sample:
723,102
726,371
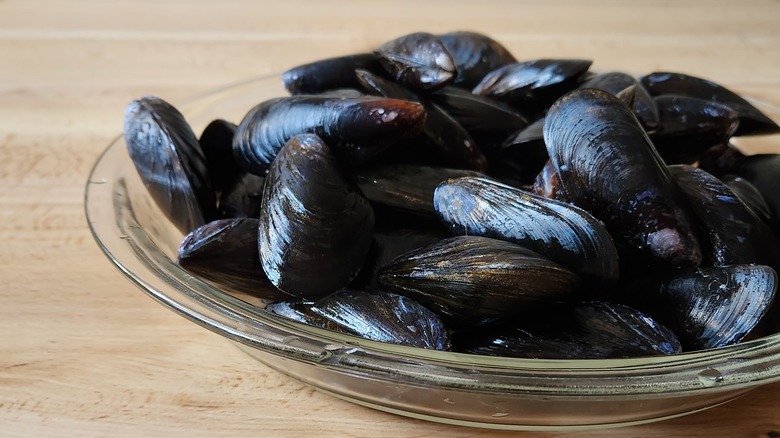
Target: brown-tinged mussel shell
356,128
418,60
328,74
405,188
734,234
315,227
608,166
453,143
216,141
224,252
749,194
689,126
707,307
590,330
751,120
242,198
556,230
170,162
532,86
548,183
643,104
469,280
475,55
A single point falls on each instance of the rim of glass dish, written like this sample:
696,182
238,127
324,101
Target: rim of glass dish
729,368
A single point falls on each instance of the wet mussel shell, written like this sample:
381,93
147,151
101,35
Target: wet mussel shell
608,166
643,105
418,60
731,233
561,232
224,252
590,330
315,228
356,128
469,280
708,307
170,162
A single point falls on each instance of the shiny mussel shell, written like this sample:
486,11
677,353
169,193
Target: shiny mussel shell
708,307
384,317
591,330
468,280
170,162
607,165
558,231
328,74
418,61
615,82
734,234
315,227
357,128
475,55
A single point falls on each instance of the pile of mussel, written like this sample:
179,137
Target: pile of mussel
438,193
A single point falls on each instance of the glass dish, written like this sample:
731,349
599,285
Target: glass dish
501,393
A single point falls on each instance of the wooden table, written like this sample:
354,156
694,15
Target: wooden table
85,353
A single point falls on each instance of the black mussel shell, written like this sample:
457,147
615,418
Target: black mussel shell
591,330
357,128
242,198
762,171
455,145
643,104
407,188
418,60
217,144
301,311
749,194
608,166
708,307
734,234
224,252
315,227
384,317
170,162
478,113
328,74
751,120
689,126
469,280
475,55
558,231
533,84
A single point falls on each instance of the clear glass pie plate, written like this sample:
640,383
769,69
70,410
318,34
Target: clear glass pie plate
453,388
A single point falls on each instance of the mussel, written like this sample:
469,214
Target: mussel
216,141
224,252
170,162
418,60
708,307
749,194
243,197
558,231
315,228
469,280
608,166
328,74
590,330
475,55
643,106
356,128
751,119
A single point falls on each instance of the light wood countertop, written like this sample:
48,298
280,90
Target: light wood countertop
83,352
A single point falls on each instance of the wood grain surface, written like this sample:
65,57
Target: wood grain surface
85,353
